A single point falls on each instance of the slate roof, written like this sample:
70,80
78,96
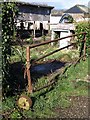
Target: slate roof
56,12
78,9
34,4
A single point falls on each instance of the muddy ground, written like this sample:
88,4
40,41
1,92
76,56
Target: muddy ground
78,109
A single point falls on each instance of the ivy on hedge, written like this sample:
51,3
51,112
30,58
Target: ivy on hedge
9,12
83,27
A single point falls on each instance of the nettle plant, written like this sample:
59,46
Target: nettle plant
9,12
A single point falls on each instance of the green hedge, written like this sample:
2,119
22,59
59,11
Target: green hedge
83,27
9,11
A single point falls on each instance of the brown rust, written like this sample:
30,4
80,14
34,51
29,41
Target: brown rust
52,52
43,43
55,51
28,70
50,41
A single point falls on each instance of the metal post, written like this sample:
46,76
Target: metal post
28,70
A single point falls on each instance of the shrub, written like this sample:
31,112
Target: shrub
8,33
83,27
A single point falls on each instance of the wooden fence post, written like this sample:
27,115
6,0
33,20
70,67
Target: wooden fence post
28,70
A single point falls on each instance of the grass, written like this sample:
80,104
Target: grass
46,100
19,53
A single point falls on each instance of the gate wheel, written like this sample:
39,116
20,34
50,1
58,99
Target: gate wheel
24,102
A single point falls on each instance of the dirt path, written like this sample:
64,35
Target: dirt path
79,108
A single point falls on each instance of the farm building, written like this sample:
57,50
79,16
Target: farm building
56,15
78,12
33,17
65,26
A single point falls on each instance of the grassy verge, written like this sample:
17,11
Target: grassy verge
71,83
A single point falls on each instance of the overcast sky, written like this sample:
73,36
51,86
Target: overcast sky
60,4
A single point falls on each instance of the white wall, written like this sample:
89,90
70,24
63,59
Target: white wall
55,19
65,41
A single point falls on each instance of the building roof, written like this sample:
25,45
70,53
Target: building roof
78,9
56,12
35,5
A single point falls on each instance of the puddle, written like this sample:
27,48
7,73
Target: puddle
37,71
46,68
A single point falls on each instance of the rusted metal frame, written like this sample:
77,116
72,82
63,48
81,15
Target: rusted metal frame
79,60
50,41
28,58
52,79
83,45
45,86
28,70
52,52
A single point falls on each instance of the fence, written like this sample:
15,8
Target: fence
83,48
